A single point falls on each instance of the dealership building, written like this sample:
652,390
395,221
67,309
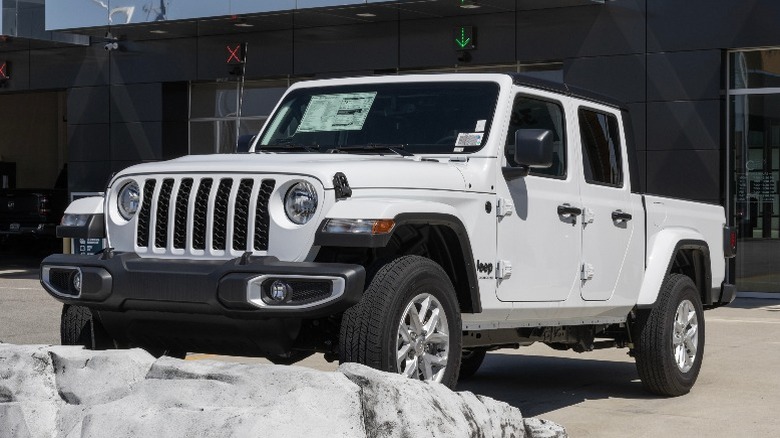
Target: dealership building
98,85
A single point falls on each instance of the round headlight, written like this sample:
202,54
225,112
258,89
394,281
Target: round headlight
128,199
300,202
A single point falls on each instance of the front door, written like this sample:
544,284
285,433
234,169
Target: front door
540,241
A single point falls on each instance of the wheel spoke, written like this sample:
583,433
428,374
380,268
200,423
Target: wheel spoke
403,352
437,338
424,307
411,368
430,326
403,332
427,368
414,319
440,361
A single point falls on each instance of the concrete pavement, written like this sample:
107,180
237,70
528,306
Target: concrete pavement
595,394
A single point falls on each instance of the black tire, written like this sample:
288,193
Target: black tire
78,326
370,330
655,348
293,357
470,361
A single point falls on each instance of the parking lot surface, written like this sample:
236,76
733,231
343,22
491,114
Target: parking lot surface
596,394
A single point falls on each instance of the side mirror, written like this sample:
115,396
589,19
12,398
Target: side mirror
245,142
533,148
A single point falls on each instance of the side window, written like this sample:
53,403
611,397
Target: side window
601,158
529,113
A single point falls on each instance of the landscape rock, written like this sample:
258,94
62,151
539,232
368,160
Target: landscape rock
69,392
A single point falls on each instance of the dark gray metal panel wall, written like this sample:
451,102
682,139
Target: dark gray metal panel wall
711,24
68,67
346,48
663,58
615,28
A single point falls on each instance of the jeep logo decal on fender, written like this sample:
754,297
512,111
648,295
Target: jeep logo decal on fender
486,268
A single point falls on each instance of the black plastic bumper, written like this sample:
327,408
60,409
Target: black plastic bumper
203,306
125,282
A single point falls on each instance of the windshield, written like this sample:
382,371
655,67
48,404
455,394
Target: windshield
425,117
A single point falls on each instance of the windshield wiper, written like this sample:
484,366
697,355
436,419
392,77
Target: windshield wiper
371,147
288,147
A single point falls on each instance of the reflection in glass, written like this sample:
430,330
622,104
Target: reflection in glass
215,122
755,136
755,69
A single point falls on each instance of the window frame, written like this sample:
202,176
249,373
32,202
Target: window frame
564,134
619,148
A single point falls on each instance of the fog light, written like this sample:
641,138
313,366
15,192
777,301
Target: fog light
279,291
77,281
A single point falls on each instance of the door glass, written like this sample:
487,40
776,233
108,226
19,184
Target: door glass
600,148
755,136
530,113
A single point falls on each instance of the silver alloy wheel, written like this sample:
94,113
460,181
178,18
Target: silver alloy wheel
685,336
423,339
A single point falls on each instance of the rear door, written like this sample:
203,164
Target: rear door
609,215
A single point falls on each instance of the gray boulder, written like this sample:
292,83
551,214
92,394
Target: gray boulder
69,392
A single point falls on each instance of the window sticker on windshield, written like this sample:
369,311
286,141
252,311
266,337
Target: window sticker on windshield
480,126
469,139
337,112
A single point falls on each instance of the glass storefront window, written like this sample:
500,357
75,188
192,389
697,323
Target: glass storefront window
754,108
215,122
755,69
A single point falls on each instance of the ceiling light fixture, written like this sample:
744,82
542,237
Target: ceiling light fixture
366,14
158,31
468,4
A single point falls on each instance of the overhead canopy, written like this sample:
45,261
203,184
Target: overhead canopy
139,18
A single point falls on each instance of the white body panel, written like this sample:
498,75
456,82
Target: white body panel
546,253
670,221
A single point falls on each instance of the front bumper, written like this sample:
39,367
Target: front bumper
204,306
232,288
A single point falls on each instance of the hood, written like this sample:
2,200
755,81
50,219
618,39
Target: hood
362,171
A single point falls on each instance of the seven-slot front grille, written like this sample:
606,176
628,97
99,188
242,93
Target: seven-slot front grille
201,213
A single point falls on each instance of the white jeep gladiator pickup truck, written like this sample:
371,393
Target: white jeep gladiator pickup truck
409,223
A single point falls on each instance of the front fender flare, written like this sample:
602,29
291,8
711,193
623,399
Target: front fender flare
403,213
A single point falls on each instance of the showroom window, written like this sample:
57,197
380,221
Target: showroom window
218,116
754,136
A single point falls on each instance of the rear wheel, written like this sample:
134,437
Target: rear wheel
670,339
407,322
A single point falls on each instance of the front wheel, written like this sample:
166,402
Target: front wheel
407,322
670,339
78,326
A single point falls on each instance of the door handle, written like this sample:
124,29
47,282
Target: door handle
621,216
567,210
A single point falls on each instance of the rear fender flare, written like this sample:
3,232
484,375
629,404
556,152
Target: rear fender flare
661,253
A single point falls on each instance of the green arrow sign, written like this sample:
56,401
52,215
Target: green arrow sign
464,38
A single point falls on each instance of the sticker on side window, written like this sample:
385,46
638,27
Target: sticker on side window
469,139
336,112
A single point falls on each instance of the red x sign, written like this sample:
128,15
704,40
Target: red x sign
236,54
4,71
